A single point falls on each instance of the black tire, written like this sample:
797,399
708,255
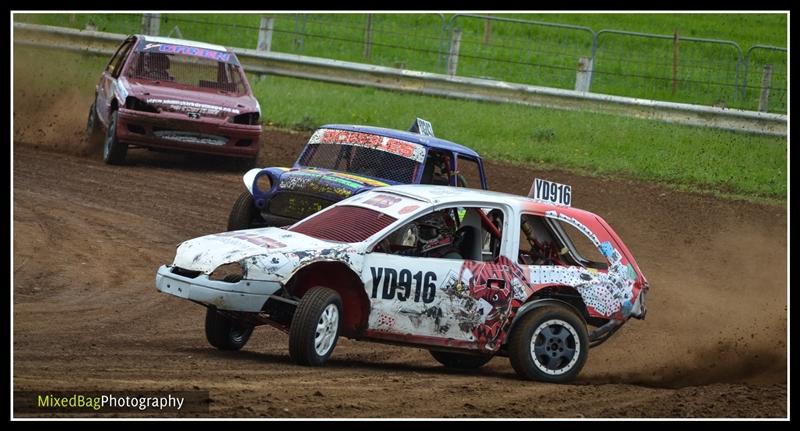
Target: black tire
460,360
561,345
244,214
93,137
308,343
225,333
114,151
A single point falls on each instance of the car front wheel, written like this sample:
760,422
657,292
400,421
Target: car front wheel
244,214
225,333
114,151
550,344
315,326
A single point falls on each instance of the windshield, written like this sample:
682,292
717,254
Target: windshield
187,71
363,154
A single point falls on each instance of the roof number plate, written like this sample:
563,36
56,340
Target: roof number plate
422,127
554,193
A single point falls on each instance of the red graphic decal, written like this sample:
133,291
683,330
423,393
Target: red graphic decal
492,282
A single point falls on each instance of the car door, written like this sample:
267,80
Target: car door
445,292
105,89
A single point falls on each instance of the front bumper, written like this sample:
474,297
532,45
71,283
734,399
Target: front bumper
176,131
246,295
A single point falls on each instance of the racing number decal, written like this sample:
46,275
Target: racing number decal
403,285
559,194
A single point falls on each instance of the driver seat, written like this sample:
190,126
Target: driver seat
468,243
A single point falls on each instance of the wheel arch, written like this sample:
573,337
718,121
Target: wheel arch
563,296
340,277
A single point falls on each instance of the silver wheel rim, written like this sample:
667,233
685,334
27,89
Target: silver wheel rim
327,329
555,347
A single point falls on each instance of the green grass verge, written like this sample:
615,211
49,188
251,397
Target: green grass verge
705,73
730,165
694,158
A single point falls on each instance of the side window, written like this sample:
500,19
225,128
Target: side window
545,241
115,65
579,249
450,233
469,174
536,242
437,168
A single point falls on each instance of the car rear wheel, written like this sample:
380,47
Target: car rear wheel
550,344
244,214
315,326
114,151
225,333
93,136
460,360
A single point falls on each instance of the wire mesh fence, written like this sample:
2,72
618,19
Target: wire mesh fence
671,68
520,51
765,80
660,67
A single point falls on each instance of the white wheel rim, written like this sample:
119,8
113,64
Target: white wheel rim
327,329
555,347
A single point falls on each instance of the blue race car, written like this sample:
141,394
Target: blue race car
342,160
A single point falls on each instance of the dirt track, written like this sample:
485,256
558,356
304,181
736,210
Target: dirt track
88,239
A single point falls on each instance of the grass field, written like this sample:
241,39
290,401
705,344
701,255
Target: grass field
733,164
683,156
703,73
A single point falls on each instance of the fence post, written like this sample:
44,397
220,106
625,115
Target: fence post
176,31
487,31
766,83
583,80
151,23
452,56
368,37
265,34
674,61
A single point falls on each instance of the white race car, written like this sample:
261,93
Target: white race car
468,274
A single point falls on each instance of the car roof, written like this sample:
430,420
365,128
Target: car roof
184,42
447,194
427,141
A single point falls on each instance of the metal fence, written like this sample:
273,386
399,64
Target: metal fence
671,68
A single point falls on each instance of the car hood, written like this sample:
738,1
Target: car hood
268,250
165,97
337,185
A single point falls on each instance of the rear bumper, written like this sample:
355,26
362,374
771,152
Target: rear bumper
176,131
246,295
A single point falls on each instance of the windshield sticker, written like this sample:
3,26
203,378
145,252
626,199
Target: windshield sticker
399,147
383,201
188,50
184,106
397,206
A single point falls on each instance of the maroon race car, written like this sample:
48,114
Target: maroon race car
172,94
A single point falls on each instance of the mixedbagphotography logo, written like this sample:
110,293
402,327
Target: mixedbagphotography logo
111,402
